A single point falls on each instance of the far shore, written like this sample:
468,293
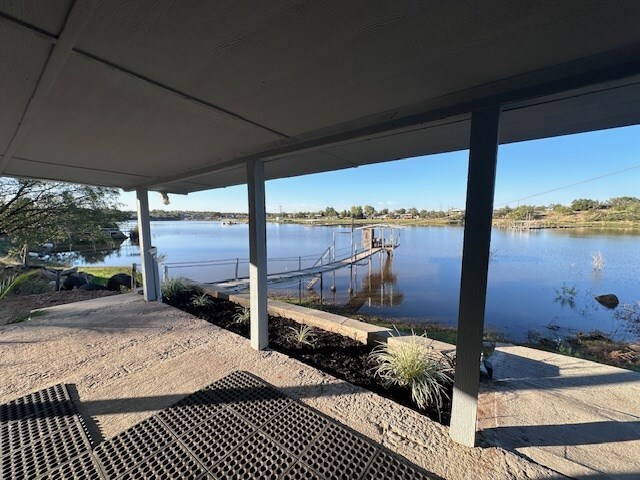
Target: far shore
570,223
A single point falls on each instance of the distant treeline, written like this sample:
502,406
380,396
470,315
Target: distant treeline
614,209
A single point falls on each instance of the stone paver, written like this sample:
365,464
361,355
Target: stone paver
128,359
578,417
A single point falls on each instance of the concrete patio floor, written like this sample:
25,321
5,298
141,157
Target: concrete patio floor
127,359
578,417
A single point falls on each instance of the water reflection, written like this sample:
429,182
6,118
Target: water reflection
90,253
378,288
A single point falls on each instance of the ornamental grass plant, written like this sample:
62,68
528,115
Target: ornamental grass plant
425,372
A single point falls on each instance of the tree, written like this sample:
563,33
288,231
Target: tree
401,211
582,204
34,212
523,212
413,212
330,212
384,211
623,202
561,209
356,212
369,211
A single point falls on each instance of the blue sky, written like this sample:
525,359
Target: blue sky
439,181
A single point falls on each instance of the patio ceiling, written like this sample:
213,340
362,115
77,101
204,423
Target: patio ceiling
177,95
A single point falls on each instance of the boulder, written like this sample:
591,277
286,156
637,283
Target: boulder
119,280
92,287
75,280
47,275
609,300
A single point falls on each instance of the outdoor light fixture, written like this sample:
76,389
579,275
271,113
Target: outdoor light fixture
165,198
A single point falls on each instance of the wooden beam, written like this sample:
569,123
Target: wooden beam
483,156
77,20
257,255
150,274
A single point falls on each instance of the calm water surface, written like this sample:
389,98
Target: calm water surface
541,281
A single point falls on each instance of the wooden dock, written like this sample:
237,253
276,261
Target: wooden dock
243,283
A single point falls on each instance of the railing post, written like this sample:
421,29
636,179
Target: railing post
237,267
165,273
134,271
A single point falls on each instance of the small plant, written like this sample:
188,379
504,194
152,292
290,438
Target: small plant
242,316
23,315
597,261
563,348
201,300
630,313
174,286
425,372
9,282
566,295
304,335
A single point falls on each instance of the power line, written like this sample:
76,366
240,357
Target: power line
569,186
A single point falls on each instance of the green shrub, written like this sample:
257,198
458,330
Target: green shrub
425,372
175,286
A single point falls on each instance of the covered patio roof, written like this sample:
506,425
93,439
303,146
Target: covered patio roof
176,96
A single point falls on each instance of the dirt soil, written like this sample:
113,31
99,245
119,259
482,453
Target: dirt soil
332,353
13,305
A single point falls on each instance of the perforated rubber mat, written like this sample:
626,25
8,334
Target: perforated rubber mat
237,428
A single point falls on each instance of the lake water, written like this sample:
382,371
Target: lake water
540,281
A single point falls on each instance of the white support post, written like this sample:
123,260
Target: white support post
150,274
483,153
257,255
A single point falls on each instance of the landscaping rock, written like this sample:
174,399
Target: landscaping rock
609,300
92,287
119,280
76,280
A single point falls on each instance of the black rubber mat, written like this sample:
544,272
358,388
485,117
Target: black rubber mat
41,432
237,428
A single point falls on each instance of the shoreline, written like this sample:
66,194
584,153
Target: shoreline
625,225
594,345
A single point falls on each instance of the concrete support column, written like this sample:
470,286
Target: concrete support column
150,274
483,153
257,255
